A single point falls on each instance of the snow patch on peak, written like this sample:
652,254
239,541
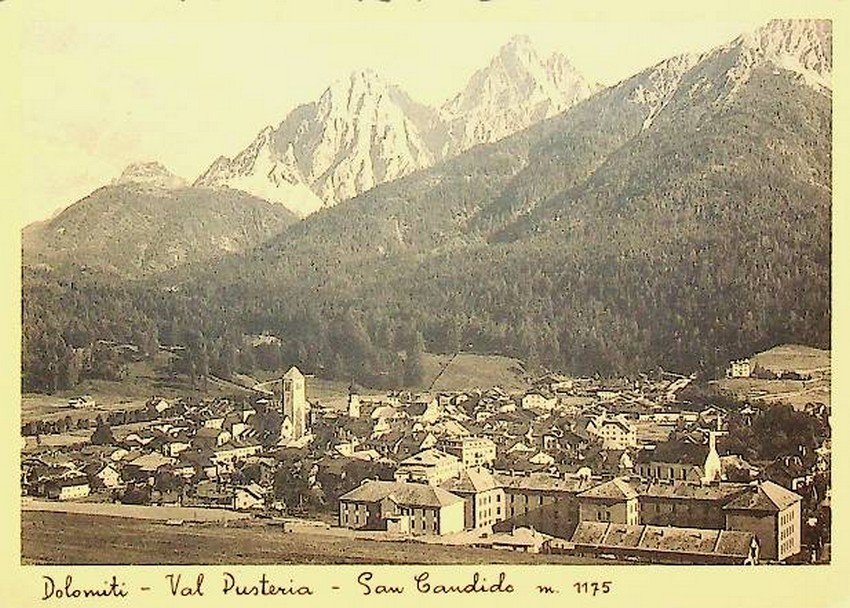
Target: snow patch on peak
803,46
518,48
348,90
519,41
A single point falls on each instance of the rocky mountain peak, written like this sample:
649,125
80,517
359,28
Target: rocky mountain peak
519,47
149,174
803,46
519,87
800,46
654,87
354,86
363,130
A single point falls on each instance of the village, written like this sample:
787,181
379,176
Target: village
631,470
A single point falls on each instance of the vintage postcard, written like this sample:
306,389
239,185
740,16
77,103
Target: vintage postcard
330,301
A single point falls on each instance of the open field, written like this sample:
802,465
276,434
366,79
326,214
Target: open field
797,393
793,392
63,538
793,357
59,440
467,371
143,381
155,513
107,396
432,366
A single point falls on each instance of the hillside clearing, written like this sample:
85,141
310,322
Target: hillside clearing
466,371
793,357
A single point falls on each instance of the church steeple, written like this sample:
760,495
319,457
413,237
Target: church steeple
353,401
294,399
712,469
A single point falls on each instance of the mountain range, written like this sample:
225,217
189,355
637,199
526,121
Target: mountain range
148,220
678,218
361,132
364,131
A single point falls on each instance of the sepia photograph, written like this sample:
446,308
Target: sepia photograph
428,291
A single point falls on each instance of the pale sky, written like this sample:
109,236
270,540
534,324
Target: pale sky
98,95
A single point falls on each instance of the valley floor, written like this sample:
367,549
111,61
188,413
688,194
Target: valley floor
76,539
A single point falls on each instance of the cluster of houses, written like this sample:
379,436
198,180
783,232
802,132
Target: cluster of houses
548,466
189,454
433,493
578,465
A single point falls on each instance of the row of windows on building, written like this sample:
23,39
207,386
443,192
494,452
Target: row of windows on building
668,471
786,531
669,507
354,519
527,500
423,525
484,514
554,513
487,498
519,504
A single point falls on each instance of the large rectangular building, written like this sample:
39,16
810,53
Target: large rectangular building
471,451
543,502
685,504
615,432
411,508
665,544
767,511
429,466
613,501
773,514
484,499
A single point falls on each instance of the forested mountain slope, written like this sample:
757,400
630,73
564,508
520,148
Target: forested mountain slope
679,218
